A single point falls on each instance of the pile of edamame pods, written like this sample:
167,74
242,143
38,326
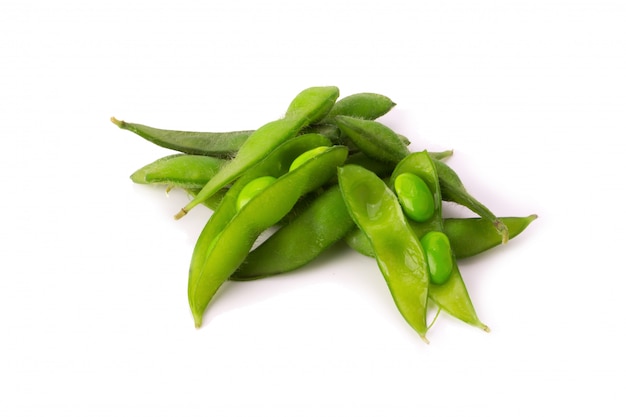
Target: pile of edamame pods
327,171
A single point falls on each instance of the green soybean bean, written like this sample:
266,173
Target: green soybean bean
220,144
180,170
415,197
400,257
309,105
302,158
468,236
439,256
252,189
452,295
322,223
226,251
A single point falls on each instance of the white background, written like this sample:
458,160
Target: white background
94,319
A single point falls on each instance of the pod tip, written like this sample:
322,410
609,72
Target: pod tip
197,319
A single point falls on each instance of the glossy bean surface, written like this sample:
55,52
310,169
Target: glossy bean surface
439,256
415,197
252,189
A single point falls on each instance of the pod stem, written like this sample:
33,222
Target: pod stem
181,214
502,230
118,123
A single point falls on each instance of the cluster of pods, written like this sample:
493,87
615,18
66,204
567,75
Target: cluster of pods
327,171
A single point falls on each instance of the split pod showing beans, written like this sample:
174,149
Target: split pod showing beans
326,174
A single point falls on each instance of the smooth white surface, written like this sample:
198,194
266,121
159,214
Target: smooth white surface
93,310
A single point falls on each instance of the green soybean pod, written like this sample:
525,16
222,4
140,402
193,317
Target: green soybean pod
368,106
399,254
451,296
306,107
225,252
373,138
439,256
312,104
180,170
415,197
220,144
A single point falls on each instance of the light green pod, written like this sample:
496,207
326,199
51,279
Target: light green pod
252,189
301,159
439,256
414,196
179,170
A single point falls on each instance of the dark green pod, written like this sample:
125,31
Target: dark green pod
220,144
367,106
373,138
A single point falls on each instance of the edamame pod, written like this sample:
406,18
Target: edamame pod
367,106
226,251
220,144
400,257
309,105
450,293
180,170
373,138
